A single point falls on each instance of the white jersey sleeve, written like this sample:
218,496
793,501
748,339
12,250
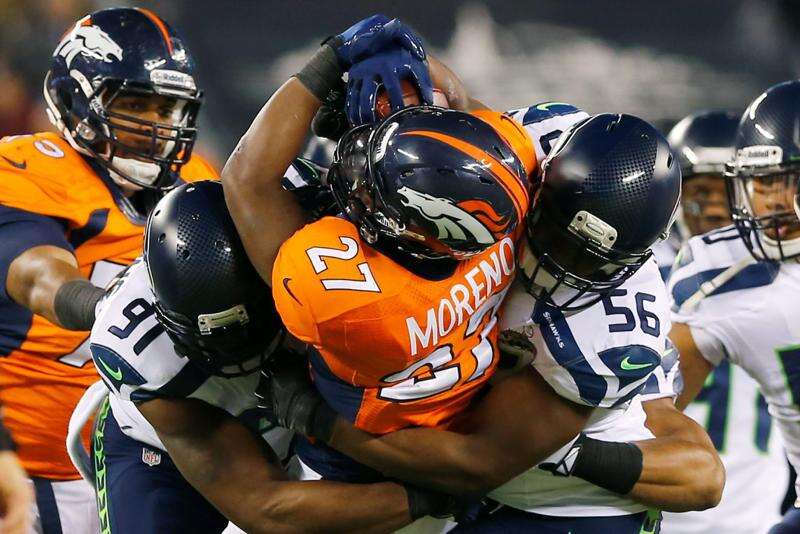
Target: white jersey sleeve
604,355
546,122
131,351
666,380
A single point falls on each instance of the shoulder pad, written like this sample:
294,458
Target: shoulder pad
546,122
321,271
36,172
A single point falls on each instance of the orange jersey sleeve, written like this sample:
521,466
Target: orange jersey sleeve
288,285
514,134
34,173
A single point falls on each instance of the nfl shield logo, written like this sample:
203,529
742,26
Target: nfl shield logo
150,457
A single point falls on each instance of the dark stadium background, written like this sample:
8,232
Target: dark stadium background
659,60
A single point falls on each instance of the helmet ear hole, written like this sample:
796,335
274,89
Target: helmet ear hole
669,161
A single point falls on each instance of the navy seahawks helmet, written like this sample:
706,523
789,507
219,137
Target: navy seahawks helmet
431,182
704,141
610,190
215,307
125,52
763,177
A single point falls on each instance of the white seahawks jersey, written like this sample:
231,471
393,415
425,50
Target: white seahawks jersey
665,251
137,362
546,122
746,313
735,416
605,356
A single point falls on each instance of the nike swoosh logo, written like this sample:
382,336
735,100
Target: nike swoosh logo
116,375
628,366
21,166
286,286
546,105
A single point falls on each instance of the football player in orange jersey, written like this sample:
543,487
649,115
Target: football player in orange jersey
121,93
421,257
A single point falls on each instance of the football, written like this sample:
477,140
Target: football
383,108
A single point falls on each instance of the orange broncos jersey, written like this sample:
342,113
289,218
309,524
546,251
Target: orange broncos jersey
392,349
44,369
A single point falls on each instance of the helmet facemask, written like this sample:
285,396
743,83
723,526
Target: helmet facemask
573,268
227,344
353,184
762,202
138,153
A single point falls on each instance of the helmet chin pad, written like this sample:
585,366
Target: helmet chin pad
143,171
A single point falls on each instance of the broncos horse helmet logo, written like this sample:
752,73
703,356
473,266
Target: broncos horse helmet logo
89,41
452,221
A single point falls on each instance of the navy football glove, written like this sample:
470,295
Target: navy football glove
290,400
371,35
384,69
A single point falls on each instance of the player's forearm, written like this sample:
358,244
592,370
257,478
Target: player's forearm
265,214
681,470
238,473
454,89
678,476
503,442
35,277
323,506
447,81
437,459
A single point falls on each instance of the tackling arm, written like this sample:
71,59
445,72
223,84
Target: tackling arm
448,81
519,423
681,470
236,471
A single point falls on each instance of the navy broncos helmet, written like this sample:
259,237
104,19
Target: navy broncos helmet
763,177
704,141
215,307
610,190
125,52
431,182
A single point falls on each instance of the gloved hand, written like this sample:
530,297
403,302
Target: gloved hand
330,121
384,69
371,35
289,398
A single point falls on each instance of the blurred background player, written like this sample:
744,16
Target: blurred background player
729,405
121,93
735,290
703,143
